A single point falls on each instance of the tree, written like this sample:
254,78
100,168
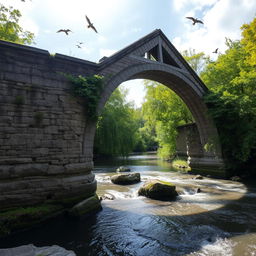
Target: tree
232,81
197,61
164,111
117,127
10,30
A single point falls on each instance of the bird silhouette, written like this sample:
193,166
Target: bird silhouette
195,20
90,25
66,31
216,51
78,46
80,43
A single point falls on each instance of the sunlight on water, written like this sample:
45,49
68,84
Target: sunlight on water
218,220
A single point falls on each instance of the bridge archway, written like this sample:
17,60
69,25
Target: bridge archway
170,69
45,135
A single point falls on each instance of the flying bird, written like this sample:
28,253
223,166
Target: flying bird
90,25
78,46
216,51
195,20
66,31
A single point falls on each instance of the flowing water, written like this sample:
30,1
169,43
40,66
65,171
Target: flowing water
220,220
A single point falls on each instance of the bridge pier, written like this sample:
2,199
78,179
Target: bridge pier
190,146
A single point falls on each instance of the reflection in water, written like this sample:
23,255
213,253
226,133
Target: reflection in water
220,220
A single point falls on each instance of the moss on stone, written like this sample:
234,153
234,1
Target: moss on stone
71,201
89,205
181,165
160,190
24,217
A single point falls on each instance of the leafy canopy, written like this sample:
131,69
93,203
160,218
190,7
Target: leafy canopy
232,104
10,30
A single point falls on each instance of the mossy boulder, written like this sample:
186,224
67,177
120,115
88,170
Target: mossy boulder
87,206
160,190
126,179
123,169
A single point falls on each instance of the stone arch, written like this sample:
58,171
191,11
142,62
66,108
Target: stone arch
189,90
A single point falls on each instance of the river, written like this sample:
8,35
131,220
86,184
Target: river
220,220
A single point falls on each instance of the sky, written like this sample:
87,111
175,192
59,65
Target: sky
121,22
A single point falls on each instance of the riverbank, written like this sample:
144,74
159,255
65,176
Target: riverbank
22,218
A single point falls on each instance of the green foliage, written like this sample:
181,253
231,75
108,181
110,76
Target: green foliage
249,41
22,217
197,61
236,126
181,165
232,104
116,127
10,30
164,111
89,90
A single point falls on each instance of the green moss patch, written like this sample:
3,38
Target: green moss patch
22,217
160,190
181,165
89,205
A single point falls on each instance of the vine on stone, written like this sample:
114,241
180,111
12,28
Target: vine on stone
89,89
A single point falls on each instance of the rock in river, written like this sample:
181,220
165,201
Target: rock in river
87,206
198,177
157,189
123,169
126,179
31,250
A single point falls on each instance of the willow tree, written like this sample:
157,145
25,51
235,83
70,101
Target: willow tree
117,127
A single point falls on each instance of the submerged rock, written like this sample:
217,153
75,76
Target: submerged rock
108,196
235,178
87,206
123,169
198,177
31,250
126,179
157,189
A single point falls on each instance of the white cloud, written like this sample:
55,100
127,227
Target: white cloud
197,4
136,91
107,52
223,19
130,31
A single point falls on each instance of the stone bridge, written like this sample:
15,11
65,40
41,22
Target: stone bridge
46,144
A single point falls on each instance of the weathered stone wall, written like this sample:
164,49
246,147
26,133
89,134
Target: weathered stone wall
41,128
188,141
189,145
